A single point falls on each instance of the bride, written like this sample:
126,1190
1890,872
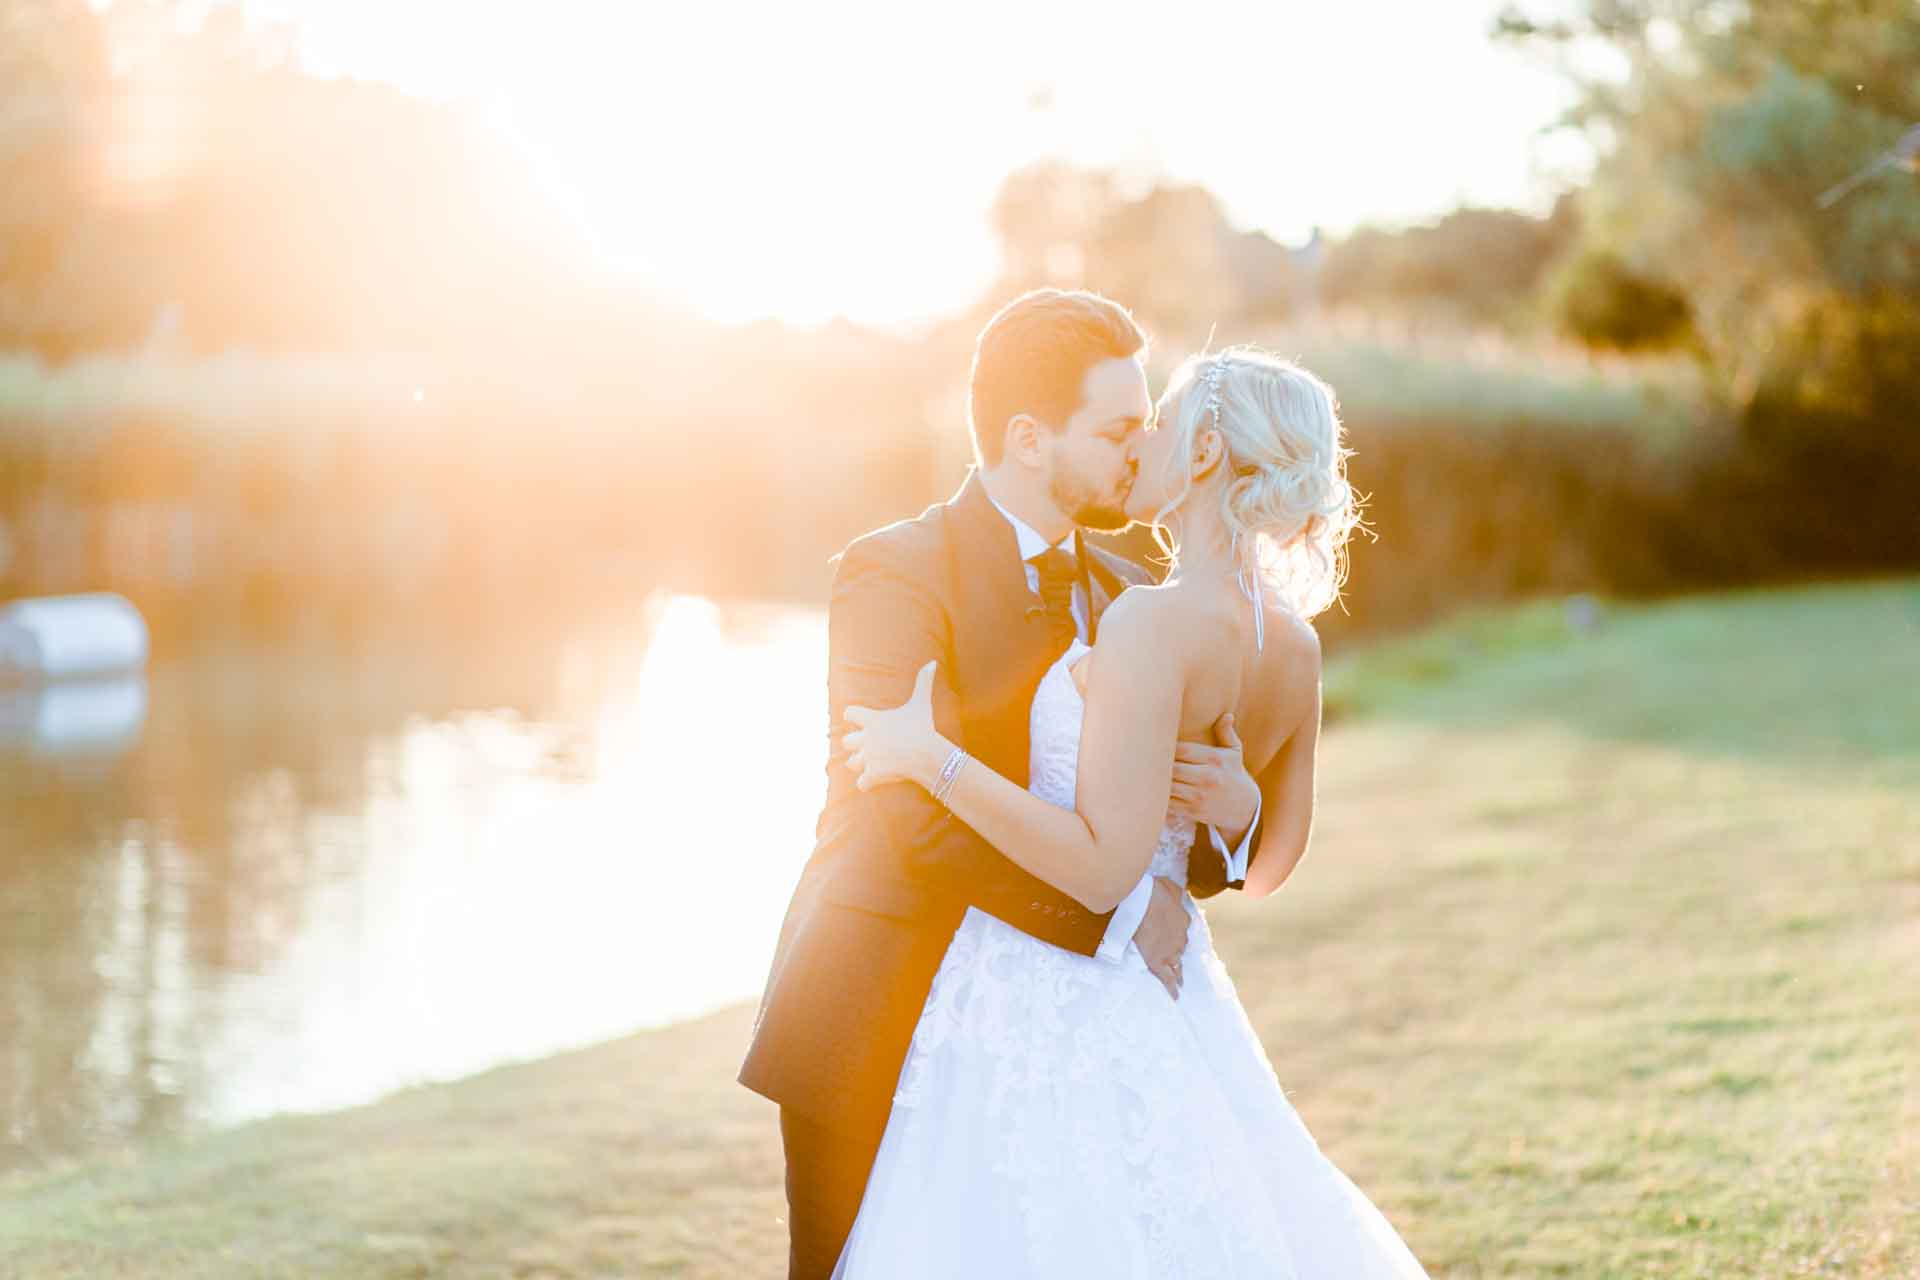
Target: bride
1061,1116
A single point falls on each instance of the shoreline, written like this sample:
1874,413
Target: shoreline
60,1164
470,1149
1591,971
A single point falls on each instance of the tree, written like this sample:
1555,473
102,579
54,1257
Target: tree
1715,141
1169,253
163,172
1484,266
1598,299
53,70
1717,134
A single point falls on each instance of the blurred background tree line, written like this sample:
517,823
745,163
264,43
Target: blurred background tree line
286,349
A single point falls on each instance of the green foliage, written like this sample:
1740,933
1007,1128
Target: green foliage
1719,128
324,479
1168,251
1483,381
1172,254
204,194
1597,298
53,62
1714,147
222,490
1484,266
604,426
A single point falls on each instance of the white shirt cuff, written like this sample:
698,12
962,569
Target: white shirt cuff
1237,860
1126,918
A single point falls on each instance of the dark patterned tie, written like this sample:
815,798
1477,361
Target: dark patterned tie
1058,573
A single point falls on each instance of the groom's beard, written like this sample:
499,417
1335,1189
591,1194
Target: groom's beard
1102,513
1102,518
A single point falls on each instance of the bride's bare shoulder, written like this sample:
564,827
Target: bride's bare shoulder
1143,621
1164,631
1146,605
1291,639
1290,663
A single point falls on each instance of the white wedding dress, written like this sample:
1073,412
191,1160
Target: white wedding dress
1059,1116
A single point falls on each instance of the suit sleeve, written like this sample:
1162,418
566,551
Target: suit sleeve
1207,869
884,624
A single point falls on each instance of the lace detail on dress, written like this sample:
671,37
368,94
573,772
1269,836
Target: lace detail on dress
1060,1066
1059,1115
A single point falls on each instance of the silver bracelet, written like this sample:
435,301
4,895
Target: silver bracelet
943,785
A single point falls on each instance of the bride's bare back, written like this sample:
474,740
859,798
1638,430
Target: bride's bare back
1204,633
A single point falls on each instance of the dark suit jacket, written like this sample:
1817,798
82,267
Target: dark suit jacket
893,872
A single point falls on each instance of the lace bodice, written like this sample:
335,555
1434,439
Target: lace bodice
1053,765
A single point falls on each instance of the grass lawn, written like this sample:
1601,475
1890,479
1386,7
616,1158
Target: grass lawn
1605,962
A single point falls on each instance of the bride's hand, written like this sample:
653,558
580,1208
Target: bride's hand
898,745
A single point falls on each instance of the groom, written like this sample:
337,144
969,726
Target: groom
995,583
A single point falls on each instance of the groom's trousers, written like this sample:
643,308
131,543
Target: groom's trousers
826,1177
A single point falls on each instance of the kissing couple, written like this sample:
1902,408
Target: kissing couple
1000,1038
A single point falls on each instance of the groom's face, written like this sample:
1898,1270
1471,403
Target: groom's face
1093,455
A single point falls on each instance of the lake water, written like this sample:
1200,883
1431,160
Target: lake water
295,880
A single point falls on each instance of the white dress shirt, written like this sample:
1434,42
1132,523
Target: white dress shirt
1133,908
1031,545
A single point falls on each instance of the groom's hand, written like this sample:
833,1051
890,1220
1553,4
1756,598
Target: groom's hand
1211,783
1162,935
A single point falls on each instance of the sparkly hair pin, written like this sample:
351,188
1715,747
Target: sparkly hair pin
1210,379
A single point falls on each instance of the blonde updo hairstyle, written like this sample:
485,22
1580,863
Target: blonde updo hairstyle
1286,501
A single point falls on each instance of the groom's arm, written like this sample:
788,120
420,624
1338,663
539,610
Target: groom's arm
1214,864
883,625
1212,786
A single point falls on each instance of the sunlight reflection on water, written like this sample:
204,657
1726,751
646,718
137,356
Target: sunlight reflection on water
499,886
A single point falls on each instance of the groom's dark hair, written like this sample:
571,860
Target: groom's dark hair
1033,358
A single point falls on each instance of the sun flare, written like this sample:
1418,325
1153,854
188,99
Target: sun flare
806,163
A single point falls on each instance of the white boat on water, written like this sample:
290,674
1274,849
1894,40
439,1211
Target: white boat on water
72,675
70,637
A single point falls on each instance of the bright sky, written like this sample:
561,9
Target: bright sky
803,160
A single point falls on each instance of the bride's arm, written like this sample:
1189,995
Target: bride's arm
1286,784
1097,851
